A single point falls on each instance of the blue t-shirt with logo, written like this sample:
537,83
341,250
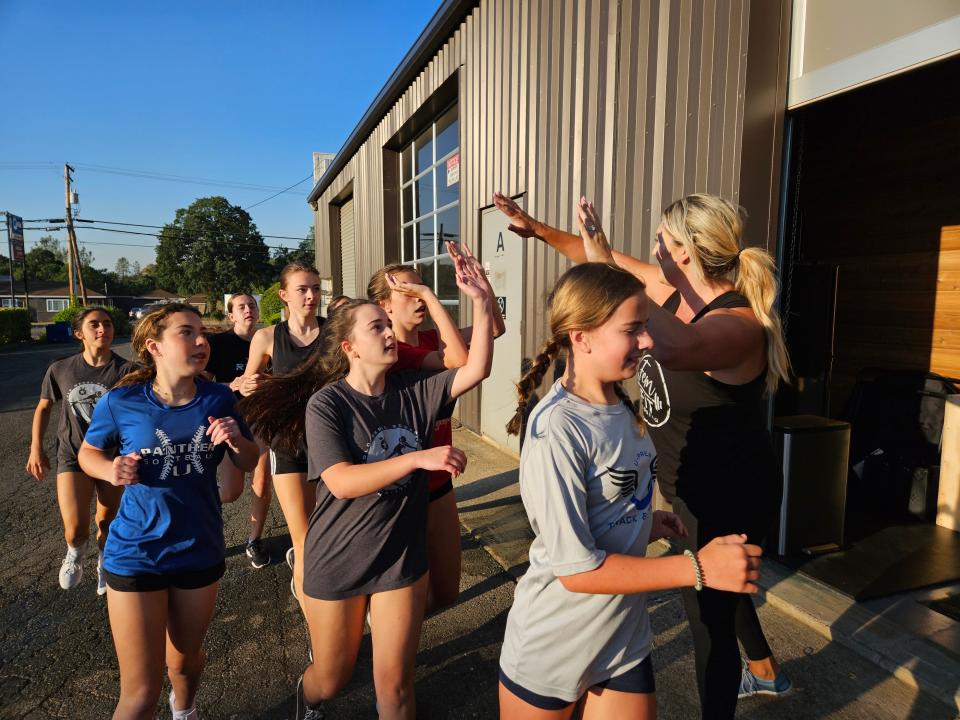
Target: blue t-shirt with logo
169,521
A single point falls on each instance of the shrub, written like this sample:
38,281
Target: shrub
271,304
217,315
270,319
121,323
14,325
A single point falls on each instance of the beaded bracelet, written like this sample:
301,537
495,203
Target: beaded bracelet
697,570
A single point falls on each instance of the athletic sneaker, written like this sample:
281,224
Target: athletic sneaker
259,557
290,558
190,714
71,570
750,684
304,711
101,578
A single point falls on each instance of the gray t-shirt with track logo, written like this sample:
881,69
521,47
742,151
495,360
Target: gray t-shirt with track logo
586,480
376,542
79,385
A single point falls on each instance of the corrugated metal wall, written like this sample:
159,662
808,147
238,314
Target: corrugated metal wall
630,103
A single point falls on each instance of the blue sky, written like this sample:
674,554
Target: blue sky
241,92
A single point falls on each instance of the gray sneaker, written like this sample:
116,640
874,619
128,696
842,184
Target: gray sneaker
750,684
304,711
71,570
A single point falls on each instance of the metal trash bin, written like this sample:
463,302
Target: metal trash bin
815,453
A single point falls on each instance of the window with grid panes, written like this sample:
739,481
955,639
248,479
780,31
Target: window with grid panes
430,206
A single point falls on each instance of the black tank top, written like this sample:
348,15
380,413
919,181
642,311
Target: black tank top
286,355
713,445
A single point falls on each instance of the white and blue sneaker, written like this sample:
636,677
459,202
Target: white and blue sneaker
750,684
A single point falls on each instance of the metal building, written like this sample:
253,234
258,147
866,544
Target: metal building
629,103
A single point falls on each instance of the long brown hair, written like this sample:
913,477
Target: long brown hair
584,298
276,411
709,228
151,327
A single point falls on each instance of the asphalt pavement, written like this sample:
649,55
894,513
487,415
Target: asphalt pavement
57,658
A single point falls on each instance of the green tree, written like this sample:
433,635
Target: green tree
122,268
42,264
302,254
211,247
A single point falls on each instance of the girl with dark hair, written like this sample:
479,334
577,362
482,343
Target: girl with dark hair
78,381
368,435
160,434
578,633
400,291
718,353
284,347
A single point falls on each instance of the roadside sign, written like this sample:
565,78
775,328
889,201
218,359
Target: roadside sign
15,233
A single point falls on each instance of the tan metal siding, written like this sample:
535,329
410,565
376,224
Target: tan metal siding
632,103
348,249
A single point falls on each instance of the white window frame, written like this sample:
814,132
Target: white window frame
55,305
17,302
417,261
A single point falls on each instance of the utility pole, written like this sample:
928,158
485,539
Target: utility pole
73,251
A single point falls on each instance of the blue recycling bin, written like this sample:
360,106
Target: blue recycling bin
58,332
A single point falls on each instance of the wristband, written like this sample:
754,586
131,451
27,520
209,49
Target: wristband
697,570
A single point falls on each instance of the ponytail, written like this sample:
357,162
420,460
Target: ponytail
756,282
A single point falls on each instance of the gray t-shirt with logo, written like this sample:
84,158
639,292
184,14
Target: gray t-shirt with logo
586,480
376,542
79,385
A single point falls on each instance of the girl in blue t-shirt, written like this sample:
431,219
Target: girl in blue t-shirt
160,434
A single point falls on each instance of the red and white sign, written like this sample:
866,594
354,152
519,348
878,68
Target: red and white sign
453,170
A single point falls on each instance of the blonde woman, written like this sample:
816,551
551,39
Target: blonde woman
718,352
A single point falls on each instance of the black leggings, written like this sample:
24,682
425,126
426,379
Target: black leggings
718,619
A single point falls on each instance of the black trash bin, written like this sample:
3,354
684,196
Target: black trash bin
815,452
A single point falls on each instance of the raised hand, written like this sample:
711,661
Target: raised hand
471,278
595,245
417,290
124,470
730,564
224,430
38,464
445,458
521,222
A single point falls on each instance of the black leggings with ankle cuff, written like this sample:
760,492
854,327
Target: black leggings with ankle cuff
718,619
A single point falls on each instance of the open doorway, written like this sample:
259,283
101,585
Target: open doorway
871,304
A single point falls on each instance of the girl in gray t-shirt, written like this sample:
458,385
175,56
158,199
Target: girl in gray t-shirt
578,629
367,434
77,383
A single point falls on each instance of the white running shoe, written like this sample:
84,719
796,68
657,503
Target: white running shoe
190,714
290,558
71,570
101,578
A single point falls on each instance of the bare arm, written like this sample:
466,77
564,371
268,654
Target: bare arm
724,339
499,326
98,464
480,359
261,349
571,246
38,463
728,563
346,480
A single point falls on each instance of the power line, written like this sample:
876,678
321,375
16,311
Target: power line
153,247
145,174
279,193
57,221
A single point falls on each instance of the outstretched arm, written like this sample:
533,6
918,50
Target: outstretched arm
572,246
499,327
477,369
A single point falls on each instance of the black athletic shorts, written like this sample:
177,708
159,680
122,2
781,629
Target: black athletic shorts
192,580
282,462
637,679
